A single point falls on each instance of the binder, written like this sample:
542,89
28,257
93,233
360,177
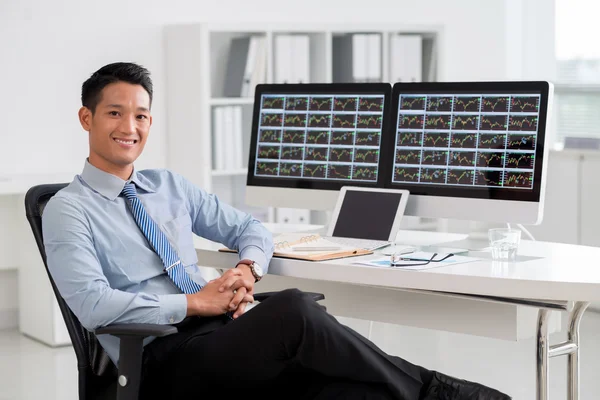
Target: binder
373,52
238,69
406,58
252,59
283,59
301,58
259,71
228,139
218,133
357,58
238,138
290,245
292,216
360,57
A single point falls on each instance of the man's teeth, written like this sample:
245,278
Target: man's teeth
125,141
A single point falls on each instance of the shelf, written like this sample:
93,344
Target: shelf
229,172
231,101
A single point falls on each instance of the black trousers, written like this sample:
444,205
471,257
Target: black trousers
288,347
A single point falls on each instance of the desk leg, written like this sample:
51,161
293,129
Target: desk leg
573,358
570,348
542,355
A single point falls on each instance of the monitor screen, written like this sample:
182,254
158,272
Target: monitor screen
482,140
367,215
318,136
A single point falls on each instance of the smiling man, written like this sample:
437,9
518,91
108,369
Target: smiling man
119,247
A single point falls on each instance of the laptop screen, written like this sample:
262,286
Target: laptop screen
367,215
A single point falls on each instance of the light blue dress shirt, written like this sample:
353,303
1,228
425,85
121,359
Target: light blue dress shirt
102,263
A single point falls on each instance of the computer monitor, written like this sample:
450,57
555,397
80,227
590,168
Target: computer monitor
309,140
471,150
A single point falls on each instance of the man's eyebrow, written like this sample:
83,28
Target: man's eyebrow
144,109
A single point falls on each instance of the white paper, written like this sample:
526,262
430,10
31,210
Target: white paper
420,257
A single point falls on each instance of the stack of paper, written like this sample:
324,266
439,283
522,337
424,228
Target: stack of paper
416,261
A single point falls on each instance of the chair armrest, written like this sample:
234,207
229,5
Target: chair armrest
265,295
131,348
142,330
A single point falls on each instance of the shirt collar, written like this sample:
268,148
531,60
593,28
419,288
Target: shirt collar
109,185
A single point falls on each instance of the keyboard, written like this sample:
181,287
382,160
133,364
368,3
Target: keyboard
366,244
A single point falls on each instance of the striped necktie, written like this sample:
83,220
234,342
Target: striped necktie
159,242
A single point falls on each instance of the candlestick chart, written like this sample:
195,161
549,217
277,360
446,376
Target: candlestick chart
467,139
337,136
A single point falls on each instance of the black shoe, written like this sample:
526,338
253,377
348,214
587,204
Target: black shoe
444,387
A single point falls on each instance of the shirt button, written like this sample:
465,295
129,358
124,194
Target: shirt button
171,320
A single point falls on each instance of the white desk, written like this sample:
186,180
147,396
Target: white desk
478,298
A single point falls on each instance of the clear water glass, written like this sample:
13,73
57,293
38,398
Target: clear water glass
504,243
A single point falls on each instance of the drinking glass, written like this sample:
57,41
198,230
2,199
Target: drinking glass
504,243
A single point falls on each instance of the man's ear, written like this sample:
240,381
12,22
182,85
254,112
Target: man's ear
85,118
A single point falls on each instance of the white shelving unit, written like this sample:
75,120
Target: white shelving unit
19,184
196,65
38,313
231,101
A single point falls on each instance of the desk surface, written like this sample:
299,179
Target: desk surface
560,272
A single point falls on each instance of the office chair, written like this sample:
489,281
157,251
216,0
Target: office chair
98,377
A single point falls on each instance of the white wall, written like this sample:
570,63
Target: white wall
49,48
8,262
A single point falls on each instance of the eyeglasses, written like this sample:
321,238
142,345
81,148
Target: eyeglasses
400,261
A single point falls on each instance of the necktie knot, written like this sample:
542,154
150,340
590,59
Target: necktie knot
129,191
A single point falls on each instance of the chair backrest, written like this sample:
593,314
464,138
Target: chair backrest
96,371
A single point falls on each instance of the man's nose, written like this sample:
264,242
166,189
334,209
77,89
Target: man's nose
128,125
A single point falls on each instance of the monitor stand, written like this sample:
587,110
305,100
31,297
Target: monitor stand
445,242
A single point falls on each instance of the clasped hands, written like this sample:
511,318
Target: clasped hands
231,292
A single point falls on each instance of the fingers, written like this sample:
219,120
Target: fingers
238,297
232,271
228,283
236,282
228,278
243,283
240,310
241,296
248,298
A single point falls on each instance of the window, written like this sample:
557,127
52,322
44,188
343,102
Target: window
577,87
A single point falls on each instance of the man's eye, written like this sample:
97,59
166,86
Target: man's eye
114,113
142,117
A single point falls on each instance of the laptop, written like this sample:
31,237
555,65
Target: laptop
367,218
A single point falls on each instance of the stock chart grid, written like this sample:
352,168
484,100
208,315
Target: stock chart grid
326,137
467,140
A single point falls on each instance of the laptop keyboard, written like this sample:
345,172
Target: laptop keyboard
366,244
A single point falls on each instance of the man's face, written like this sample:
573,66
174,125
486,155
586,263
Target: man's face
119,127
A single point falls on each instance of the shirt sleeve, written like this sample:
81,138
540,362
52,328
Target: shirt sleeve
76,270
220,222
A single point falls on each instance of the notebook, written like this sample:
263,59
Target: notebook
298,246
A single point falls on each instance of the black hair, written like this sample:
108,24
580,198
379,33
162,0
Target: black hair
91,89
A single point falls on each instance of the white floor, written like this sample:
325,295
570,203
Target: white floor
31,371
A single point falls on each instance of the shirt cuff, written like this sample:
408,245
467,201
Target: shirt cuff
173,308
255,254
